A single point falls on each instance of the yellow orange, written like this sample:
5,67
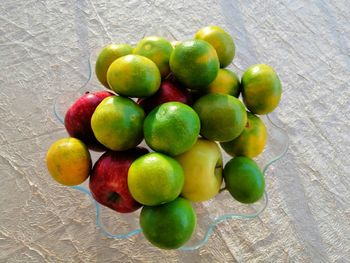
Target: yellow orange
68,161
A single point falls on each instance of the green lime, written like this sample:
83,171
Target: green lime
171,128
117,123
158,50
105,58
155,178
134,76
244,179
251,142
223,117
170,225
226,82
261,89
221,41
194,63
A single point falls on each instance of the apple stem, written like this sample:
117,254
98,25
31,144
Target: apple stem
222,189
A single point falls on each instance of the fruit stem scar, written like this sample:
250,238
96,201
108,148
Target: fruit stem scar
113,197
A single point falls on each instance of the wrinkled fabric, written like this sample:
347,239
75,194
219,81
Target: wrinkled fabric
44,51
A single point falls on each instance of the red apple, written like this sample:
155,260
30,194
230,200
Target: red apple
170,90
78,117
109,180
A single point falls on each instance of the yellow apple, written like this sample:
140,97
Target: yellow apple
203,166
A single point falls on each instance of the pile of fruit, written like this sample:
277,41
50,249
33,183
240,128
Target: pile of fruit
182,100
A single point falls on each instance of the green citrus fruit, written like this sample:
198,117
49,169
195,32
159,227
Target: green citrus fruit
170,225
226,82
194,63
107,55
251,142
155,178
221,41
158,50
244,179
223,117
134,76
68,161
171,128
117,123
261,89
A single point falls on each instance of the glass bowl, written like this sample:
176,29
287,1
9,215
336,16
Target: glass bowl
210,213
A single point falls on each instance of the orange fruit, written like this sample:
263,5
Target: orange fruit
155,178
117,123
221,41
158,50
170,225
134,76
226,82
68,161
194,63
171,128
251,142
105,58
261,89
244,180
223,117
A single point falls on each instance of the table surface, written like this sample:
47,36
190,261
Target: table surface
44,47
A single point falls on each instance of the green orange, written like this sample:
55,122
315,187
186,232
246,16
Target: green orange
251,142
226,82
155,178
221,41
194,63
244,179
171,128
170,225
134,76
261,89
223,117
105,58
117,123
68,161
158,50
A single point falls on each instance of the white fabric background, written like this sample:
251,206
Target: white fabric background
44,46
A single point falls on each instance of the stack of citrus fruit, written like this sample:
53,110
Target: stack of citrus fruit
184,103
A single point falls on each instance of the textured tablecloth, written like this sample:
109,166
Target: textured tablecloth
44,47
